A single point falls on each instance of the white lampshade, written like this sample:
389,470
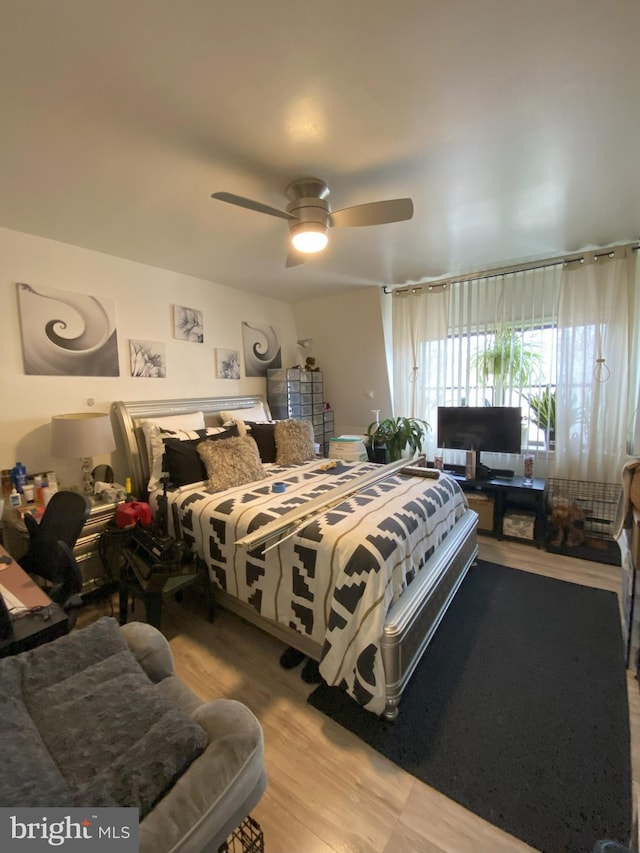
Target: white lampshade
77,436
80,436
309,237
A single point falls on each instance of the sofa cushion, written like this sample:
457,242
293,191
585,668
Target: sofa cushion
23,749
114,737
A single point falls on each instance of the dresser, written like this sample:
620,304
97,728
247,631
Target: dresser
299,394
86,551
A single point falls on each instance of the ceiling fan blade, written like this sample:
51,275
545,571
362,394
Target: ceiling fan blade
294,258
240,201
373,213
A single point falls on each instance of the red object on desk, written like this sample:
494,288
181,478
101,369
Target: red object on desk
128,514
35,510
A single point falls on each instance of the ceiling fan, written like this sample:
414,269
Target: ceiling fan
310,217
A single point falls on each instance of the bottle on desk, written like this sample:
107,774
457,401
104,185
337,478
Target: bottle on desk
19,476
7,483
38,497
14,499
52,480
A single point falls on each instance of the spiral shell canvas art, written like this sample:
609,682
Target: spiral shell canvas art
67,334
261,349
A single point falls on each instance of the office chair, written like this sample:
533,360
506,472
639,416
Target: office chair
50,551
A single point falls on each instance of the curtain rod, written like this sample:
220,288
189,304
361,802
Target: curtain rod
442,284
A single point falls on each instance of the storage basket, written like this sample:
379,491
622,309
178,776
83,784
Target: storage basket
520,524
484,506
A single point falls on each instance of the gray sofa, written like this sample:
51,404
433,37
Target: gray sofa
99,718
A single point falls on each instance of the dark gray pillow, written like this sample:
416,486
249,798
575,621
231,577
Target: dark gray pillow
114,737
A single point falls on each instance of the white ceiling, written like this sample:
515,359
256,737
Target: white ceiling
513,124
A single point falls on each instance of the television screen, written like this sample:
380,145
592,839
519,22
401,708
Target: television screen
496,429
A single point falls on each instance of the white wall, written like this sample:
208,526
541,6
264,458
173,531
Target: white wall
348,344
143,297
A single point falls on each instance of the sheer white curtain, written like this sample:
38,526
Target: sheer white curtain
595,369
419,316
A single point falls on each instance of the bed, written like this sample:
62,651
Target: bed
354,565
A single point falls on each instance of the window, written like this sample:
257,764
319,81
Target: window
560,341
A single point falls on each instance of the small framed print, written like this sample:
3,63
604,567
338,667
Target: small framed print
187,324
227,364
148,359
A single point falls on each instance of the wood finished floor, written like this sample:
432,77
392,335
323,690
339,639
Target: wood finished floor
329,792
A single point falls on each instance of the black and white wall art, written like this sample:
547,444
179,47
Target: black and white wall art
66,333
148,359
261,349
227,364
188,324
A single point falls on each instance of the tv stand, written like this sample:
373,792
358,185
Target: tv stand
508,493
502,474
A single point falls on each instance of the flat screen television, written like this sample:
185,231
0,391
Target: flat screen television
496,429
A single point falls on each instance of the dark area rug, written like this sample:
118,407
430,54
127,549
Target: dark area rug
517,711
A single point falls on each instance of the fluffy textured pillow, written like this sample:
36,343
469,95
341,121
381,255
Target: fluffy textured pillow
264,436
151,429
294,442
253,413
233,462
182,461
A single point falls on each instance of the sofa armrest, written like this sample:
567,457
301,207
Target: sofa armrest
218,790
150,648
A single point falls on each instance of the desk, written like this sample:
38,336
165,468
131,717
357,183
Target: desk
32,629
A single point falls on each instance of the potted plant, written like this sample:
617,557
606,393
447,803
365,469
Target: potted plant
543,412
393,436
506,359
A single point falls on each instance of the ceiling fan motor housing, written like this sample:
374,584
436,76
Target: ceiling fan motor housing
308,204
307,188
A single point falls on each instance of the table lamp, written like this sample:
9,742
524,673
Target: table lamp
81,436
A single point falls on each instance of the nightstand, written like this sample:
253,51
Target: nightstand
86,551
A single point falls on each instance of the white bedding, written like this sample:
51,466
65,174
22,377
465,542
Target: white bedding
335,578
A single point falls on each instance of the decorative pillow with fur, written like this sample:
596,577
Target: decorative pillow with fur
182,461
233,462
294,442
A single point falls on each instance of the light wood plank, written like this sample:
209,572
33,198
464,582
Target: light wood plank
329,792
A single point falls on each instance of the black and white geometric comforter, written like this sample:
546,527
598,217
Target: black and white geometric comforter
336,577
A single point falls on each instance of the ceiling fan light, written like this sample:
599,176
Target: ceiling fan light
310,238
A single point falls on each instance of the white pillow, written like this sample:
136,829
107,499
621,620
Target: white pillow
253,413
153,439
